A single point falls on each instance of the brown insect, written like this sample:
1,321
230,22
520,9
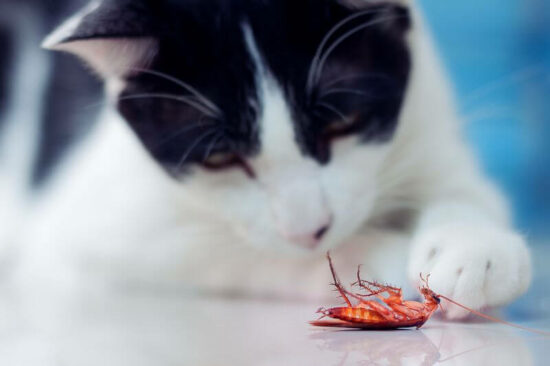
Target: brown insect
391,311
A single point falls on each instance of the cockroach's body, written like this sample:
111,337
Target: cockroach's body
392,312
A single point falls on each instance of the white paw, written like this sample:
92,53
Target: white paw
476,266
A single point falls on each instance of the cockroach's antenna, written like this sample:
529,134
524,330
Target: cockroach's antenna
425,280
493,319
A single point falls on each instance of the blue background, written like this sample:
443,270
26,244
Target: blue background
498,55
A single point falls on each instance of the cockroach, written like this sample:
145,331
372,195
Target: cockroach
391,311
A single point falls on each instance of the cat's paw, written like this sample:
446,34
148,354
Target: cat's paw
476,266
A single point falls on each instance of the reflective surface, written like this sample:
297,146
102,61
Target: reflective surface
133,330
159,329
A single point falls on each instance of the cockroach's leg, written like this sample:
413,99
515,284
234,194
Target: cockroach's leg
343,292
378,308
324,313
385,288
392,294
337,283
404,311
361,284
371,305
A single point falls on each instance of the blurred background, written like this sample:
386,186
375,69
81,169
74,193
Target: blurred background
497,53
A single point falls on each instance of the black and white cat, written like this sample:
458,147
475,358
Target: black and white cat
245,138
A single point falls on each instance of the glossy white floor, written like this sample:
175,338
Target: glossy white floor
156,330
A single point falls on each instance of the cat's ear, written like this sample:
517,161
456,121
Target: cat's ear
394,13
358,4
108,40
111,57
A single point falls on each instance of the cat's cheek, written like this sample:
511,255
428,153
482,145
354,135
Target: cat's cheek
219,192
231,198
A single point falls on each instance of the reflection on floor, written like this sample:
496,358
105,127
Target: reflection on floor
137,329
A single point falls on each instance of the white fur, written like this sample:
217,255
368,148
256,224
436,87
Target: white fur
292,183
20,127
115,217
68,28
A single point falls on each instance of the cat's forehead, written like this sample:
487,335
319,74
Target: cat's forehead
134,18
304,70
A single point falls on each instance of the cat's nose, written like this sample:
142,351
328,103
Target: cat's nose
309,240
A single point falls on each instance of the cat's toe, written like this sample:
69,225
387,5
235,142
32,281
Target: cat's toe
462,281
476,266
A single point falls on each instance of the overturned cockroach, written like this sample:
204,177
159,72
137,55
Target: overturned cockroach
391,312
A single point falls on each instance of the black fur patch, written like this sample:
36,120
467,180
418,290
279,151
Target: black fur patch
359,89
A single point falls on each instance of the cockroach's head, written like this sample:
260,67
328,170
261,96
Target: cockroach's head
429,295
425,290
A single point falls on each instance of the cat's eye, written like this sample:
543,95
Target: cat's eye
336,128
341,128
221,161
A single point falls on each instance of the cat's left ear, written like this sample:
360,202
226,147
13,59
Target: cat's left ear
111,41
396,13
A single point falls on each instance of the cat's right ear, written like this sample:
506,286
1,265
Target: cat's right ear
111,40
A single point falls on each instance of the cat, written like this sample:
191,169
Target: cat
244,139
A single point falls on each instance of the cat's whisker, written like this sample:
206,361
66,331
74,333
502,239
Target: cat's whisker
499,111
334,110
396,180
394,203
322,116
522,76
203,99
193,146
183,131
339,41
311,74
185,99
212,145
101,103
363,75
344,91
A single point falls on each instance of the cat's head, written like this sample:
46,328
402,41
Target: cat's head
275,115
